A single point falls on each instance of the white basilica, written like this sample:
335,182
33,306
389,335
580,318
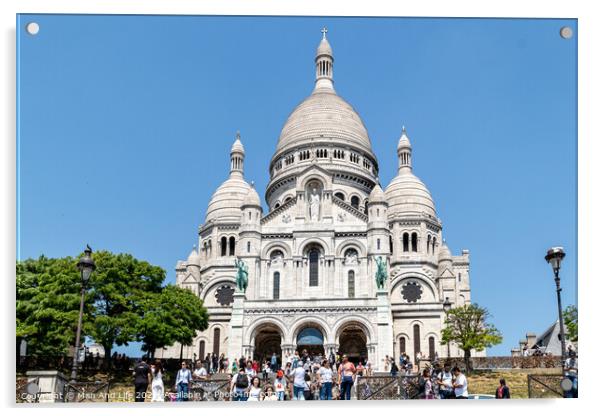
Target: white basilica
311,257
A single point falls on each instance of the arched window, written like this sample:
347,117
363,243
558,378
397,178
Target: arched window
414,242
248,246
351,284
432,348
202,349
314,258
416,340
224,246
390,244
459,277
216,341
378,243
428,244
288,198
232,245
366,207
355,202
402,345
434,244
277,205
406,242
340,196
276,291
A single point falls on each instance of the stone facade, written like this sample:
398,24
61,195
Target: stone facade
312,256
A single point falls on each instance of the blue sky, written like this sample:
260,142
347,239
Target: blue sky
125,124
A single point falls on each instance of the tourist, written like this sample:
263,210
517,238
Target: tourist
445,382
394,369
200,372
215,362
417,361
347,377
387,361
426,385
183,379
297,377
503,391
296,359
571,372
157,387
280,384
274,362
249,370
266,370
255,392
368,367
460,384
222,363
239,386
234,367
142,378
269,394
360,369
325,380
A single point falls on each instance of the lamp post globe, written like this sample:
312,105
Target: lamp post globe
554,257
86,266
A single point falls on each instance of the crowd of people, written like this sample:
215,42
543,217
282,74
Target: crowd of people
299,376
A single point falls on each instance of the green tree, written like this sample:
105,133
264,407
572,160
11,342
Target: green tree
48,297
174,315
119,288
47,304
467,326
571,323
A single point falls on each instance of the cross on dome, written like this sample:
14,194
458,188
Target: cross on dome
324,32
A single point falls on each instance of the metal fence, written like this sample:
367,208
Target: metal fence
545,386
405,387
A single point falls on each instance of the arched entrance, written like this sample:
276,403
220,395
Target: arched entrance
353,343
267,341
311,340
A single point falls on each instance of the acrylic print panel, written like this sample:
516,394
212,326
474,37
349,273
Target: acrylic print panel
295,194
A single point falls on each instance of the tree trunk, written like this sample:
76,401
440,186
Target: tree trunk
467,361
181,351
107,364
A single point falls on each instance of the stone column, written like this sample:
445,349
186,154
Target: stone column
385,328
235,344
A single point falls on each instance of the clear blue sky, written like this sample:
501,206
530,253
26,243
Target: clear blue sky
125,124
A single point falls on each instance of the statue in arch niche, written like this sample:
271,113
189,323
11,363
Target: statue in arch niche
314,204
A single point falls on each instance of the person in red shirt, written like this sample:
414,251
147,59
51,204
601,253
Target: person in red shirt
503,391
346,378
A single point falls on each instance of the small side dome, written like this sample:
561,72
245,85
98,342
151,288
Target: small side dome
444,253
252,198
377,194
193,257
226,200
407,195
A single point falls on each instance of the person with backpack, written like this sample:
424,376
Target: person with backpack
142,378
502,392
239,386
445,382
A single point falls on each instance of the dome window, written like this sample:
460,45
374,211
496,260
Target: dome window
406,242
340,196
428,244
414,242
224,246
232,245
355,202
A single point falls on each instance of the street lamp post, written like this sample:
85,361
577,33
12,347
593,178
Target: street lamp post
554,257
446,307
86,266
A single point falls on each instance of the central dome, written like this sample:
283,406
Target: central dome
324,117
